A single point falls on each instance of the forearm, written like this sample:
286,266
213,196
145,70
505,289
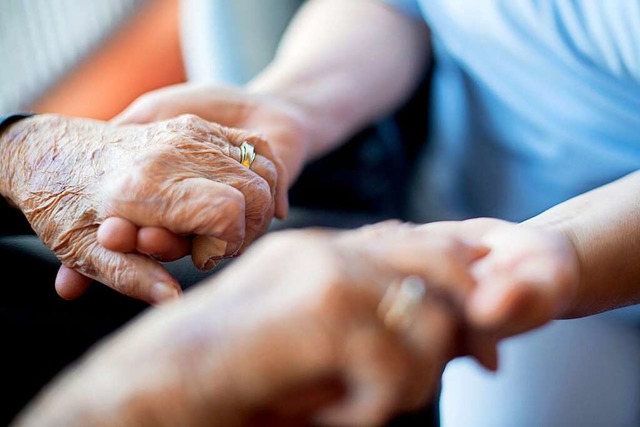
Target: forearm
345,63
12,136
604,227
13,222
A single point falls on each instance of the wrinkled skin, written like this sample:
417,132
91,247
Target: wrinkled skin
284,125
183,175
290,333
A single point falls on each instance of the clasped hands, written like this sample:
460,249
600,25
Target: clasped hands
303,311
155,192
297,330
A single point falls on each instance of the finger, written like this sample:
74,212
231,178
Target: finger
483,347
162,244
134,275
71,284
229,141
443,262
192,206
506,307
266,164
257,194
208,251
430,337
118,234
221,163
277,178
121,235
279,186
521,289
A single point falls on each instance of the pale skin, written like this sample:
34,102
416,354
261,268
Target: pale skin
68,175
325,85
293,333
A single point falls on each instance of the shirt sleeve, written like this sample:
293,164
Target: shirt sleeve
409,7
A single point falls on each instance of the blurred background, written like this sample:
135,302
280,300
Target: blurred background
92,58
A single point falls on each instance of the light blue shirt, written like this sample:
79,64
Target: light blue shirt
533,102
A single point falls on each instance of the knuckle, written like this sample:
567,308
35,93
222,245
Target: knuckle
122,279
230,215
232,205
188,120
145,170
259,195
270,172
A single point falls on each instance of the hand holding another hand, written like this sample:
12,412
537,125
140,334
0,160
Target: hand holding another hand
528,277
309,326
178,178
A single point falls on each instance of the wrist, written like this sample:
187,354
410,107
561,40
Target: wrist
315,106
287,126
571,308
15,131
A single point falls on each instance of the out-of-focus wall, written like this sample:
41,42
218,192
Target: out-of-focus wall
88,58
42,40
228,41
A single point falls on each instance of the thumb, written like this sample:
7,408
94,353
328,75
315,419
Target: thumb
71,284
134,275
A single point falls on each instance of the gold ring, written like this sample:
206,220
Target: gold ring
247,154
400,303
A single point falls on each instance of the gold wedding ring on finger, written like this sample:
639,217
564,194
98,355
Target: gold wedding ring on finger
247,154
400,303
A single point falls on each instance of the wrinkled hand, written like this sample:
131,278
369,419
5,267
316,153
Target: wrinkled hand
528,277
283,124
292,332
182,177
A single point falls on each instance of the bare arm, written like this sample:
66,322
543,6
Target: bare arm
576,259
346,63
604,227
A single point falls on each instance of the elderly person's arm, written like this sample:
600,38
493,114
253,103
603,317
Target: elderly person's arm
67,176
308,326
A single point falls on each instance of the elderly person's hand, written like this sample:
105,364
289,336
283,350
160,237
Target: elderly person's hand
181,176
284,125
341,328
528,277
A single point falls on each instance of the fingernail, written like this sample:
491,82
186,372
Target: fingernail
163,292
232,249
212,263
209,246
